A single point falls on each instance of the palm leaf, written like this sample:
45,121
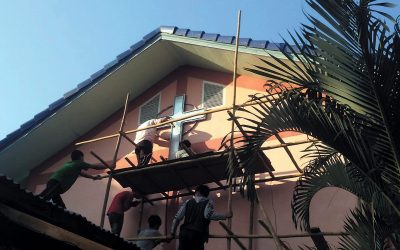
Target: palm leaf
366,231
354,57
333,171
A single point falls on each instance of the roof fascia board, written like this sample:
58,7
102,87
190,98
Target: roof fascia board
218,45
80,93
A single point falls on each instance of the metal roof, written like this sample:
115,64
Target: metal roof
16,198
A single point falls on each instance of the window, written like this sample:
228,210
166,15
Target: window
213,95
150,109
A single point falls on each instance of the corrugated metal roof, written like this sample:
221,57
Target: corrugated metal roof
14,196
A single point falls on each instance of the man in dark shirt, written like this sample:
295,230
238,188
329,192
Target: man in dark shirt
198,212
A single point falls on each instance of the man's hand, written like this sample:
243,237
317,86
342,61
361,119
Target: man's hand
169,238
229,215
135,202
96,177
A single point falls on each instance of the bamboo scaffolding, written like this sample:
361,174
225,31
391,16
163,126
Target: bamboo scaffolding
189,160
279,178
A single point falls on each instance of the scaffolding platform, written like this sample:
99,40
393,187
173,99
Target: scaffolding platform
183,173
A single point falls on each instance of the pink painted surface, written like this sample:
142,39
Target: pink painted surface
86,196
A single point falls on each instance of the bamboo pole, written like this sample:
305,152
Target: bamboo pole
251,223
287,144
121,128
269,224
229,231
289,153
166,217
140,217
233,122
103,211
110,176
107,194
251,236
264,225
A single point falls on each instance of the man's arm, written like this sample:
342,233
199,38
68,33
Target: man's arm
83,174
210,214
178,217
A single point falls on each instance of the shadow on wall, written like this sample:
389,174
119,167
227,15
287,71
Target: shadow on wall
197,138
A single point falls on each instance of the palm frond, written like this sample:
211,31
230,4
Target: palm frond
366,231
334,171
293,111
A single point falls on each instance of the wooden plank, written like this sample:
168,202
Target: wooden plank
181,180
191,153
154,183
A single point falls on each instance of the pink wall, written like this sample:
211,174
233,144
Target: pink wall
86,196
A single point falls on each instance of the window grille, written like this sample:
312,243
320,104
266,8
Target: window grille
213,95
150,109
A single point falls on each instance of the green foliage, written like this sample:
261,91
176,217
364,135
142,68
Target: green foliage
340,84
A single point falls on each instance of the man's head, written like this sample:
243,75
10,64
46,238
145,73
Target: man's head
76,155
154,221
202,190
186,143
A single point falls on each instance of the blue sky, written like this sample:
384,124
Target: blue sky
48,47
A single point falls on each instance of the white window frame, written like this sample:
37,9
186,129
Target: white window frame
158,108
212,83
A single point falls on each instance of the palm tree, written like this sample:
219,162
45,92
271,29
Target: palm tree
341,85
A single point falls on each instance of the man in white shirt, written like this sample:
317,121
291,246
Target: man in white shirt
144,140
154,224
